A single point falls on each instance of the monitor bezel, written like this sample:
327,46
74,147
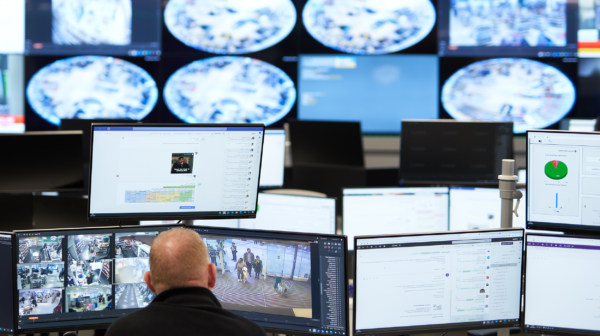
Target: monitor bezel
449,182
560,332
441,327
270,187
13,272
168,216
567,228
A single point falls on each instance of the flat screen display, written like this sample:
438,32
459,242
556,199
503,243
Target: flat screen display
273,161
12,107
438,282
159,171
394,210
449,151
12,26
379,92
7,284
579,125
588,37
97,27
563,180
559,285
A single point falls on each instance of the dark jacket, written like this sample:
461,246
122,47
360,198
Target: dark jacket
184,311
181,168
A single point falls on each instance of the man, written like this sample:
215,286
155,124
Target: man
258,266
182,276
248,259
233,251
180,167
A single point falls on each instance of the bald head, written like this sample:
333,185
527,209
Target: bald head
179,258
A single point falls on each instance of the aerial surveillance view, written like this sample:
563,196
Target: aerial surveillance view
91,87
531,94
517,23
369,27
230,26
230,89
76,22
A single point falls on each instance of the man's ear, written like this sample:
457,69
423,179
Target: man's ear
148,279
211,276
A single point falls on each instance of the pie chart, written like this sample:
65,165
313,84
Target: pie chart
556,170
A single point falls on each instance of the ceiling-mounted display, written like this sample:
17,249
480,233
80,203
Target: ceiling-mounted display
369,27
531,94
230,89
92,87
230,26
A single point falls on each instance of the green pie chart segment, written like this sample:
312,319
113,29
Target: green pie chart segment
556,170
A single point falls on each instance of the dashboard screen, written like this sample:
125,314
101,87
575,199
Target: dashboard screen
273,161
12,19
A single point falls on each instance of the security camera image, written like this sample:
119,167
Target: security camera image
93,22
134,245
517,23
265,276
40,301
87,299
230,26
89,247
84,273
131,270
40,249
369,27
91,87
133,295
35,276
531,94
230,89
182,163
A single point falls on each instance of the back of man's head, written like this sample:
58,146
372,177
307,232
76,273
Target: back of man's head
179,258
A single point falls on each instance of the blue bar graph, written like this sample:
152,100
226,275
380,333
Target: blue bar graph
557,200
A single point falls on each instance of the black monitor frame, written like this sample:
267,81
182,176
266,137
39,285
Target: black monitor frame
13,274
436,328
567,228
171,216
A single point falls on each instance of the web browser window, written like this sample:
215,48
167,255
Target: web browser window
273,161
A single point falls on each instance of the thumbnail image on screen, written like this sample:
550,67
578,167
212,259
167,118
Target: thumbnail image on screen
12,109
91,87
529,93
369,27
559,285
89,247
7,321
273,160
230,89
342,88
589,29
12,26
445,281
231,26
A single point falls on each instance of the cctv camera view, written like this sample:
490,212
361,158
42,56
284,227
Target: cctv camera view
134,245
35,276
40,249
133,295
230,26
84,273
40,301
89,247
182,163
86,299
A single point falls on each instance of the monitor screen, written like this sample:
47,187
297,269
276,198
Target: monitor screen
273,161
563,180
12,26
177,171
451,151
588,36
561,296
509,28
438,282
302,287
578,125
293,213
41,161
12,89
390,88
480,208
7,284
522,175
100,27
394,210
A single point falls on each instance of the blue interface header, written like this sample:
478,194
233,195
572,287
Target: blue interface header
177,129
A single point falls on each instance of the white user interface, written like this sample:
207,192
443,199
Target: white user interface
582,125
564,178
374,211
480,208
174,170
273,161
12,26
562,283
522,175
425,281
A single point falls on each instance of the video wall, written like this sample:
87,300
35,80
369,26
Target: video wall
268,61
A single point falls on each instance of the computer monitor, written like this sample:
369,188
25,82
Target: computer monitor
304,285
12,24
273,162
438,282
454,152
394,210
174,171
561,296
579,125
12,89
563,180
293,213
41,161
480,208
8,322
119,28
389,87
